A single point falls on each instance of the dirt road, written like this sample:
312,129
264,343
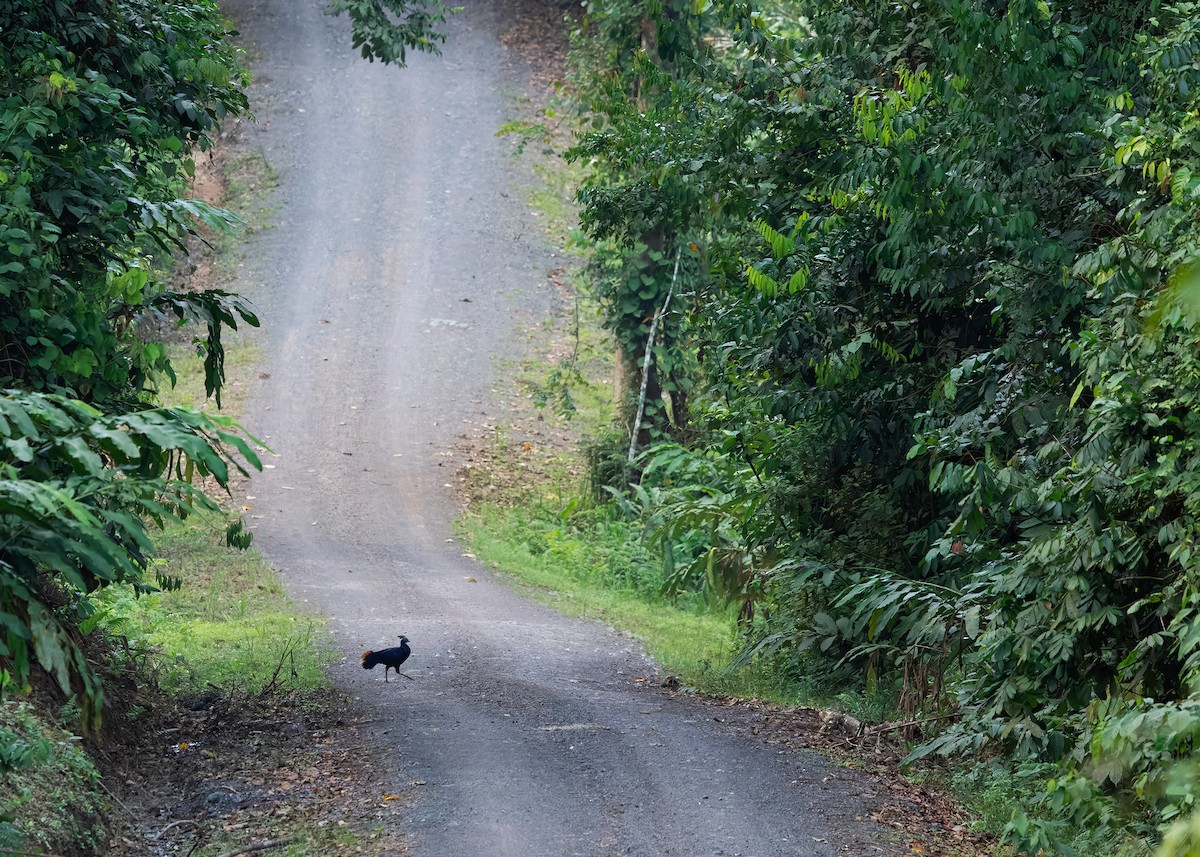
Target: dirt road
401,258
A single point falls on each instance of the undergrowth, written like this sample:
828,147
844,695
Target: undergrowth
595,566
50,801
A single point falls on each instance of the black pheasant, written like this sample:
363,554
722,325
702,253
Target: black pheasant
390,658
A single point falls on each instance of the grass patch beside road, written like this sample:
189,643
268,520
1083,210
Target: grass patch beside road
587,563
596,566
575,571
229,623
242,359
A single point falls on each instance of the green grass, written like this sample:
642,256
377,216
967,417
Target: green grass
249,179
581,369
552,197
582,363
300,838
595,565
601,572
229,623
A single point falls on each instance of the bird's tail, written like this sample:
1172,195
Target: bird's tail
368,659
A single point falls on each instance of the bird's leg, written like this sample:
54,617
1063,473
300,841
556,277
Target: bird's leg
385,672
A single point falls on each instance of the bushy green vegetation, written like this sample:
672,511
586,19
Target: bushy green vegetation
103,106
386,30
596,565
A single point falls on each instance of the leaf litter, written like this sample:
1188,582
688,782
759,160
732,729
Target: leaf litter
290,768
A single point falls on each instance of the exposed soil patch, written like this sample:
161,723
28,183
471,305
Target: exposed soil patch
223,771
194,271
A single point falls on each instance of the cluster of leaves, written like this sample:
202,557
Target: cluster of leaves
638,290
646,268
942,410
386,30
100,106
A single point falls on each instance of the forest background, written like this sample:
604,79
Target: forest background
906,297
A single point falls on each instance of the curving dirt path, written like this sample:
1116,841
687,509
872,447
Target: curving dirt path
401,260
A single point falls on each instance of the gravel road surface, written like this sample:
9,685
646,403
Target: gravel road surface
401,259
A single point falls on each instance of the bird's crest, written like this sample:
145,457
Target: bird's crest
365,655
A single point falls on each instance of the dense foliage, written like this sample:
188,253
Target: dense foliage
100,106
939,330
